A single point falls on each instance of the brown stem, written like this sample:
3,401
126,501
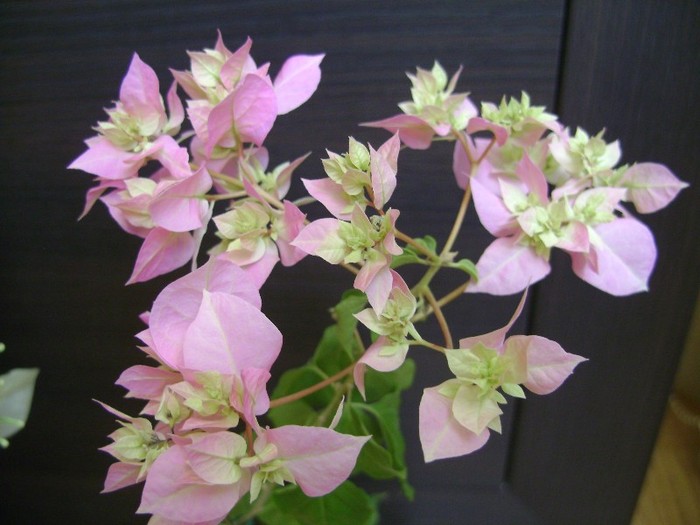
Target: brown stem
313,388
459,219
454,294
463,141
457,292
249,439
269,198
439,317
486,151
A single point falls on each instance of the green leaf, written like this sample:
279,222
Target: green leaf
428,241
330,355
386,414
379,384
338,347
374,460
411,256
346,505
274,514
466,266
238,511
351,303
382,457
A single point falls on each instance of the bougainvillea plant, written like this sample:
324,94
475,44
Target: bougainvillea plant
212,444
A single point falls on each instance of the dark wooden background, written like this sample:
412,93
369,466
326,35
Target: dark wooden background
577,456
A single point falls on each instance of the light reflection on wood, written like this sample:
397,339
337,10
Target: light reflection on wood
671,491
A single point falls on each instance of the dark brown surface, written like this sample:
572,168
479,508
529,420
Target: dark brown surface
636,74
577,456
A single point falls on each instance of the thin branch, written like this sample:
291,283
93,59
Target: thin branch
430,345
486,151
463,141
454,294
446,299
440,318
269,198
459,219
249,439
312,389
225,178
225,196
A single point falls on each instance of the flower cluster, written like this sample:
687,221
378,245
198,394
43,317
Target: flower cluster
536,192
360,178
212,345
205,394
232,107
201,447
455,417
535,187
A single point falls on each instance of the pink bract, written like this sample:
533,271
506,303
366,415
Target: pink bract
651,186
161,252
319,458
615,255
454,418
140,99
229,335
173,491
297,81
177,306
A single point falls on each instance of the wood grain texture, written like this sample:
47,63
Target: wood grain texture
630,67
